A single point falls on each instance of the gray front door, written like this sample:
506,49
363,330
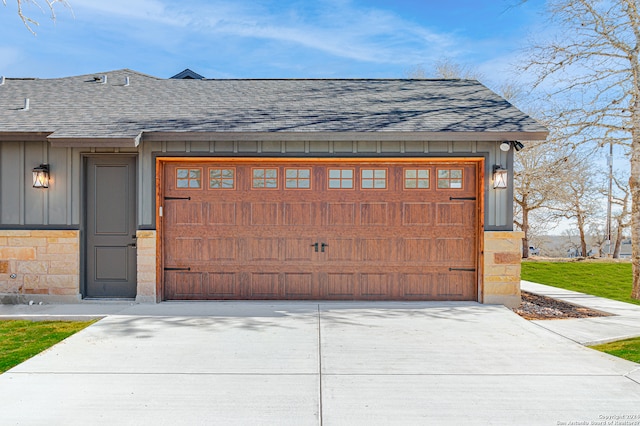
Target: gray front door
110,227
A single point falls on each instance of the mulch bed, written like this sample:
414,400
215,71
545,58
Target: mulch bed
535,307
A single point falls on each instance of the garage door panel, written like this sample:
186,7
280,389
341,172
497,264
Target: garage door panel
221,213
374,214
341,214
375,285
223,285
264,214
264,285
263,249
376,249
417,249
451,250
455,285
340,249
339,285
186,249
297,214
187,285
222,249
184,212
417,214
298,249
298,285
450,214
419,285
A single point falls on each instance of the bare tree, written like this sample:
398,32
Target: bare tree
580,199
593,69
416,73
622,217
598,237
28,21
539,175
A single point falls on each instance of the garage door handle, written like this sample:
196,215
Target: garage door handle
322,246
462,198
462,269
316,247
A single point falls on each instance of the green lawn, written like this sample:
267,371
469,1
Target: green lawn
605,279
20,340
628,349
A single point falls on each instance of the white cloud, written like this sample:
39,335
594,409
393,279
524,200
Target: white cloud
335,27
145,10
361,34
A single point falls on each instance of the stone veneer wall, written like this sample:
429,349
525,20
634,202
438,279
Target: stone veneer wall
39,266
502,256
146,264
46,265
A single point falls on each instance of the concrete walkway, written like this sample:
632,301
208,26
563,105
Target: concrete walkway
304,363
624,323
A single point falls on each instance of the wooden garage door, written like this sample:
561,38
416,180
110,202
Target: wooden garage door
320,230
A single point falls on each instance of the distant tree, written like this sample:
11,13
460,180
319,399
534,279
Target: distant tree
416,73
28,21
592,68
540,172
579,201
598,236
444,68
621,218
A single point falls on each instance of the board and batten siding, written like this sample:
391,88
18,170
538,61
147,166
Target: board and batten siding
22,206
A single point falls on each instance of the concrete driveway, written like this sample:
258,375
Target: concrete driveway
304,363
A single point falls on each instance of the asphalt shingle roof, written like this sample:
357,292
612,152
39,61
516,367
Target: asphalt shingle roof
82,107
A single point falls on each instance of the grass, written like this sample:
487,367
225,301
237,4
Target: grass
20,340
628,349
612,280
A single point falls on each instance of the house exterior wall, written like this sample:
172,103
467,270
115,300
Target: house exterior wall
23,207
40,230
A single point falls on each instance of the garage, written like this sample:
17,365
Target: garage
320,229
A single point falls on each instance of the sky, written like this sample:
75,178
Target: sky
268,38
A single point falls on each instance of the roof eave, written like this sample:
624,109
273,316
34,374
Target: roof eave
98,142
24,136
343,136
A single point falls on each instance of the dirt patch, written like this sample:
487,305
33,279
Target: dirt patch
535,307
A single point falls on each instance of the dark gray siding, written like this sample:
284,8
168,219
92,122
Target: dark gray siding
23,206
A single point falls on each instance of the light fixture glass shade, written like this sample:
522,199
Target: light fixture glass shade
41,176
500,177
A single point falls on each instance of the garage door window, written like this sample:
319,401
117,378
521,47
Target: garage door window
416,178
189,178
340,178
298,179
265,178
222,178
373,178
450,179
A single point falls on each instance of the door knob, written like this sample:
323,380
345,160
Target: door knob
322,246
316,247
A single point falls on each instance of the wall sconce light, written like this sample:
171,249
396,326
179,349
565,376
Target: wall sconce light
41,176
500,177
